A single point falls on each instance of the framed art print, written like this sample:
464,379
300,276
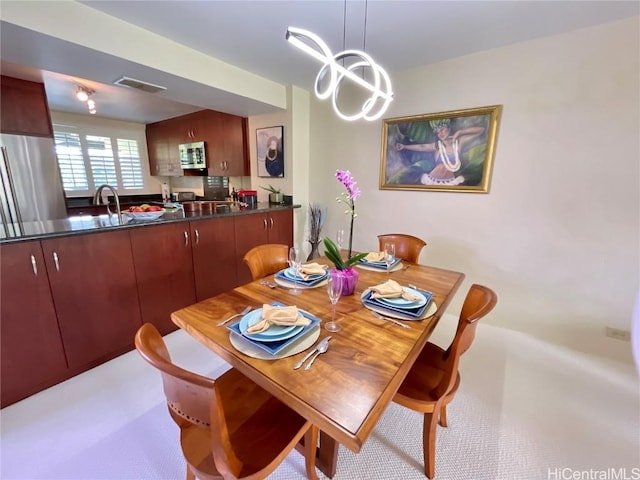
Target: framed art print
270,151
448,151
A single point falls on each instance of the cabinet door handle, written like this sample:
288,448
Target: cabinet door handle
226,165
270,222
34,265
197,236
265,223
186,238
55,261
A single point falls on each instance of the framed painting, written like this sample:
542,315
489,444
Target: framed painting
447,151
270,151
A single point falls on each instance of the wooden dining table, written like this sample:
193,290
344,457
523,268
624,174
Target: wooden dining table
349,387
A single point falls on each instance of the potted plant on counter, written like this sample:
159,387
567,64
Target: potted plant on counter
275,194
344,267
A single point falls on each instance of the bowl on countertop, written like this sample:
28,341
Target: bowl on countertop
144,215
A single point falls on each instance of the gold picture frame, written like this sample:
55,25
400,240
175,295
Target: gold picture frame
447,152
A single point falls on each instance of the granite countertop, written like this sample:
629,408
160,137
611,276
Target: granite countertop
83,224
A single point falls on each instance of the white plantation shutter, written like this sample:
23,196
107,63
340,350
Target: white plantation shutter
86,161
103,166
130,166
71,161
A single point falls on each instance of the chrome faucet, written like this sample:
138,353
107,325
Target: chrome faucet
98,197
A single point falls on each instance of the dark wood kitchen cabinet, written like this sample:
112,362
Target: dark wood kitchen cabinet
24,108
214,256
224,136
164,271
32,354
251,230
93,284
162,148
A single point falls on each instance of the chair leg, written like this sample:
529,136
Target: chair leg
190,474
310,449
429,443
443,416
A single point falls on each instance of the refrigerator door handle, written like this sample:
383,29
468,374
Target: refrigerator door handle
12,189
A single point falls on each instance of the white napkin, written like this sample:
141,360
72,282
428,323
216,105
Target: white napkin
272,315
392,289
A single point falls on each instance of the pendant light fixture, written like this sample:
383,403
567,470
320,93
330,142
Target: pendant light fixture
333,73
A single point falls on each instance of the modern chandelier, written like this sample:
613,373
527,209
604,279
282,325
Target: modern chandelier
350,62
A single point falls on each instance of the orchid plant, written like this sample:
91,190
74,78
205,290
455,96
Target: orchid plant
347,198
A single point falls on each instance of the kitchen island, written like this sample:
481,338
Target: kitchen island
75,291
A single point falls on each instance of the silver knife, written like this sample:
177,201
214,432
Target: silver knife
306,357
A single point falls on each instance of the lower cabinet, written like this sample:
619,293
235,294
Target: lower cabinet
214,256
94,291
257,229
71,303
32,354
164,271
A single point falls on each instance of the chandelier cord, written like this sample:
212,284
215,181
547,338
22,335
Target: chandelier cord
364,35
344,27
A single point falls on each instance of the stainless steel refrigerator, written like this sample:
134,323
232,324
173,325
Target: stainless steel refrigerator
31,187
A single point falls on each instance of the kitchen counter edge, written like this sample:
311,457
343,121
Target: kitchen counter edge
83,225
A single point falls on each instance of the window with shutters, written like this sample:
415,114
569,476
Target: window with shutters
86,161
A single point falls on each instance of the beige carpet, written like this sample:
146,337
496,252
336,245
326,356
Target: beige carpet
525,410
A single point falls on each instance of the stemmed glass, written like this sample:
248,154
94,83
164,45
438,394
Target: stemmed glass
334,290
294,262
340,239
389,256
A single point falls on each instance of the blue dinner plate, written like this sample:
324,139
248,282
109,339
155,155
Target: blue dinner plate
302,283
274,333
290,273
381,265
403,302
415,312
276,347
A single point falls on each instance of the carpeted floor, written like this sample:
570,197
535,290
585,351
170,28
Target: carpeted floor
525,410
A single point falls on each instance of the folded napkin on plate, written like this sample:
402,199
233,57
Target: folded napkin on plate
374,257
309,269
392,289
273,315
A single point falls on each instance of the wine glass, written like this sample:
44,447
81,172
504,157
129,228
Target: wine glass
340,239
294,262
389,256
334,290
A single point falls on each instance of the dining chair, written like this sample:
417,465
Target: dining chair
266,259
433,380
230,428
408,247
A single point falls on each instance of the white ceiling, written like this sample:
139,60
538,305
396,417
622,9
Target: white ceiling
251,35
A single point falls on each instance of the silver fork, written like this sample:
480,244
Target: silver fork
393,320
226,320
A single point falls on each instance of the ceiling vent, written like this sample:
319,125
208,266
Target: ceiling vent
139,85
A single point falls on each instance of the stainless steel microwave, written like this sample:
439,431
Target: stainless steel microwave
192,155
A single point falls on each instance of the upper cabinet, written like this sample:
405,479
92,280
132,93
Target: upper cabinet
224,136
24,109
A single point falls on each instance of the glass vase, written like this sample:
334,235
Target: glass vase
314,251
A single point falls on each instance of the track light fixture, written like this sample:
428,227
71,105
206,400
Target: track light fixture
83,94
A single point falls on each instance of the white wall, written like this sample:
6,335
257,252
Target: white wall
557,237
